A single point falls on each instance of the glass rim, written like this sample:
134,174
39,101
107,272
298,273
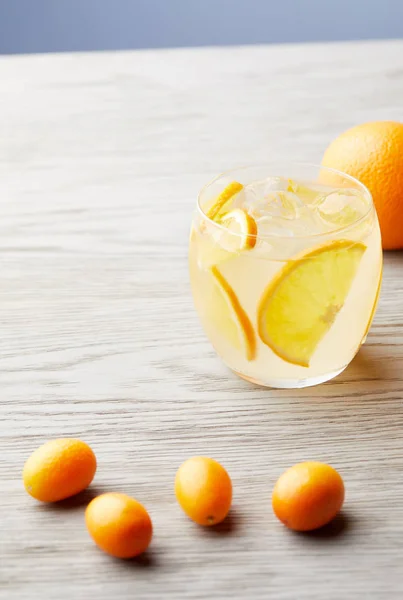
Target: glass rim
292,164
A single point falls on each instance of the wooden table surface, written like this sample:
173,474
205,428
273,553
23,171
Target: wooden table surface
101,159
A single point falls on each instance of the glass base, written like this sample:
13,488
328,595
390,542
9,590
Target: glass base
291,383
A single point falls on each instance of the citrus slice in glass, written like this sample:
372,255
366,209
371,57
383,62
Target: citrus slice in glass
300,304
227,315
240,230
224,200
237,232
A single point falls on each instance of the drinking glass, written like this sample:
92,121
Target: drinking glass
285,269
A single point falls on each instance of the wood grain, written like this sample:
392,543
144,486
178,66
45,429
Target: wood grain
101,158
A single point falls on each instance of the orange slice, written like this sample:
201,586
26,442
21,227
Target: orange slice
241,230
221,203
301,303
227,315
219,244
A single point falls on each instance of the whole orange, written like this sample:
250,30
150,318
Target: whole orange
308,495
373,154
59,469
119,525
203,489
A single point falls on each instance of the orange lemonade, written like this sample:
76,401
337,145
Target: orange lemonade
286,271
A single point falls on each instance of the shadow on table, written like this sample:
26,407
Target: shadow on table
368,364
371,364
75,502
147,560
340,525
371,372
228,527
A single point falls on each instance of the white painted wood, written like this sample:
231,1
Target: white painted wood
101,158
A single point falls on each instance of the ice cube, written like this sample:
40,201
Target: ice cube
270,197
256,193
341,208
308,192
286,205
274,226
265,186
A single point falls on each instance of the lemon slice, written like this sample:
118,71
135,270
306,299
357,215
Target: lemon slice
299,306
227,316
238,233
241,230
220,205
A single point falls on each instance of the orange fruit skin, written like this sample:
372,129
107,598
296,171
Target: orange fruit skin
373,154
203,489
119,525
308,496
59,469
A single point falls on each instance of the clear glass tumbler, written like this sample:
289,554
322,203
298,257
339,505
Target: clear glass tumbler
286,269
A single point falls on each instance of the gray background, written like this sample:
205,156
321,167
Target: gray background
62,25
